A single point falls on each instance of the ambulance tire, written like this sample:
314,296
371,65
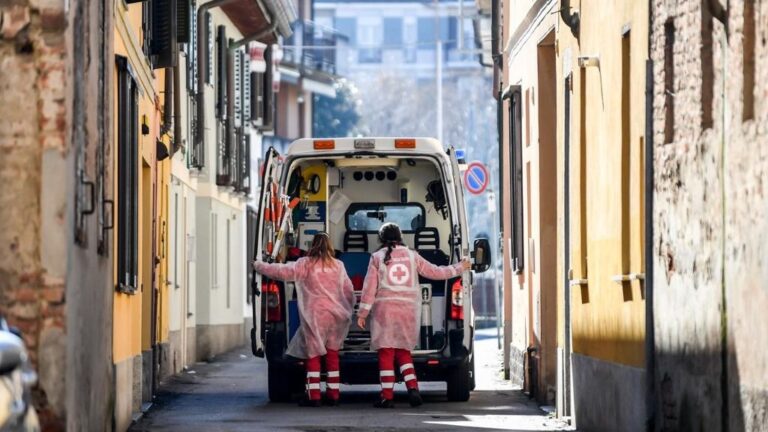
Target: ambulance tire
276,383
459,383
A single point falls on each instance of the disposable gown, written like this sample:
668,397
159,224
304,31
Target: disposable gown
325,299
392,296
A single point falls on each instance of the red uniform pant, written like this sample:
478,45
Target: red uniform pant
332,380
387,358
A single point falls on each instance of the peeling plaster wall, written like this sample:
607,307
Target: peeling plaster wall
54,291
710,227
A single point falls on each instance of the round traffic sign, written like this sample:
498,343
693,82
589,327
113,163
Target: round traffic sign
476,178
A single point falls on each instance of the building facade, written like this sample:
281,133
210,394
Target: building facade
55,272
572,104
709,230
635,154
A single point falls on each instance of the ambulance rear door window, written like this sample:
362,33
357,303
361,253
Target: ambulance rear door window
370,217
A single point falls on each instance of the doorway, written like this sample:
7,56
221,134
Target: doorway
148,291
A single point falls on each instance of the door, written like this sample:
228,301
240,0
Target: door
461,230
270,178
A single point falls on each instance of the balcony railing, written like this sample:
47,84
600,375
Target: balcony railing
312,48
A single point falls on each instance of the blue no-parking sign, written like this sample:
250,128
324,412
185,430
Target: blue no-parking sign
476,178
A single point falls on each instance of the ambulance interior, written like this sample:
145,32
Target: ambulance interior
350,198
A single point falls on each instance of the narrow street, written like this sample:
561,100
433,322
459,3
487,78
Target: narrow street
230,394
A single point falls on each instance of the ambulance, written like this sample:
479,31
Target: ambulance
349,187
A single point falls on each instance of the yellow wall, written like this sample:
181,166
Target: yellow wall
608,318
131,312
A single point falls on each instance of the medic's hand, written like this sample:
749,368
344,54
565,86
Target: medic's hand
255,265
465,264
361,322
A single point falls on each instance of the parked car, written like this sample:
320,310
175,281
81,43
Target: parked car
16,381
349,187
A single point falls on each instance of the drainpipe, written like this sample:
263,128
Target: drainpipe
572,20
177,143
650,345
650,339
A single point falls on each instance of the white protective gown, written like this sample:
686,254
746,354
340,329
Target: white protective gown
392,295
326,302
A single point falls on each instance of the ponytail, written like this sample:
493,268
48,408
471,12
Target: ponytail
388,256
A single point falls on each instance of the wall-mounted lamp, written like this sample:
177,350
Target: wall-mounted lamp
144,125
589,61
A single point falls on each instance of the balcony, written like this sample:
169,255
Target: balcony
312,49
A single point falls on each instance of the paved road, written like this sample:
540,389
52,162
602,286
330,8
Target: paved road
229,394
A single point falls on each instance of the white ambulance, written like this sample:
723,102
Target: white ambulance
349,187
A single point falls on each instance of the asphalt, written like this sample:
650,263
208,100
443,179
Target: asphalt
230,394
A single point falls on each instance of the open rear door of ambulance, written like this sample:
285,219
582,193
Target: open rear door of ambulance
461,229
270,177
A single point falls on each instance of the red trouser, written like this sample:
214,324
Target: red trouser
387,357
313,376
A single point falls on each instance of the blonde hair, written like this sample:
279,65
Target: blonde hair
321,248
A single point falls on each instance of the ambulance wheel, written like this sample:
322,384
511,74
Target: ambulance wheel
276,380
459,384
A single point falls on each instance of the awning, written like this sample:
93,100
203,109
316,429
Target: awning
250,17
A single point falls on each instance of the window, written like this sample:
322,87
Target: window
669,81
127,178
393,32
348,28
516,189
426,33
411,41
370,35
209,52
370,217
223,140
192,51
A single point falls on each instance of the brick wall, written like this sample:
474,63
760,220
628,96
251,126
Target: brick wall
48,285
710,224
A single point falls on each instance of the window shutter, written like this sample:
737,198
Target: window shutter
183,21
257,98
238,86
209,52
268,96
221,73
245,94
192,73
163,46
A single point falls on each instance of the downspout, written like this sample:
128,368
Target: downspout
202,73
572,20
650,338
177,143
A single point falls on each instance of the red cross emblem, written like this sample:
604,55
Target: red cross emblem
399,274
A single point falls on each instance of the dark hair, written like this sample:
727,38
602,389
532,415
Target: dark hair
321,248
390,236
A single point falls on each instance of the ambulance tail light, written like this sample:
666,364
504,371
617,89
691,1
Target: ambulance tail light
457,300
405,143
272,302
324,144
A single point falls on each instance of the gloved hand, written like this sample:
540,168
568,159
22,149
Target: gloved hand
465,264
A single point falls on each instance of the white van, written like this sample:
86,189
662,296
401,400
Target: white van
348,187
